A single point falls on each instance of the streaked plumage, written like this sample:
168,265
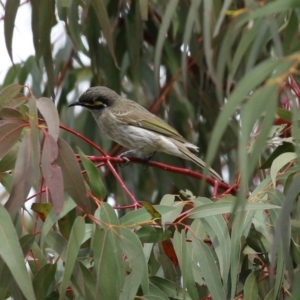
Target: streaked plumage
134,127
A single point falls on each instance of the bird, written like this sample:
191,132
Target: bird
134,127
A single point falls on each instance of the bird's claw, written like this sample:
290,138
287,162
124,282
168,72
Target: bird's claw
145,166
126,163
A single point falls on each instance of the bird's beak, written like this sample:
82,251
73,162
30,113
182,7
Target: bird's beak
75,103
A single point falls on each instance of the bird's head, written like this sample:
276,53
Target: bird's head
97,98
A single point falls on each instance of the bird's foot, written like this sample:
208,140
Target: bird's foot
147,159
127,160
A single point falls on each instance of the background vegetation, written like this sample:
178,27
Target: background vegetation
225,75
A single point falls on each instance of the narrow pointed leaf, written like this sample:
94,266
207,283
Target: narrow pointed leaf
143,4
166,20
108,262
84,281
132,247
50,114
209,269
251,286
101,12
10,113
73,179
22,176
52,218
107,214
43,280
96,184
218,208
52,173
35,143
185,263
9,93
11,8
11,253
9,135
74,244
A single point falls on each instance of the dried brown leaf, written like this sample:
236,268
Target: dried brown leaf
52,173
9,135
49,112
22,176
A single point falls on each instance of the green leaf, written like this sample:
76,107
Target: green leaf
168,287
11,253
41,24
187,35
150,234
85,281
249,118
26,242
64,3
166,21
217,229
251,286
169,217
207,210
107,215
44,280
296,287
209,269
73,179
155,293
11,8
133,249
39,258
22,176
52,218
65,224
185,263
96,184
136,217
240,226
269,9
283,228
279,162
247,84
58,244
141,215
155,215
108,262
143,4
74,244
103,19
285,147
48,61
74,26
42,209
285,114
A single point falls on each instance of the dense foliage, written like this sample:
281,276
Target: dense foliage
75,224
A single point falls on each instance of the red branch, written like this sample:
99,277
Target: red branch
155,164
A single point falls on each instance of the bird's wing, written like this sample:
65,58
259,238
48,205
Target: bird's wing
146,120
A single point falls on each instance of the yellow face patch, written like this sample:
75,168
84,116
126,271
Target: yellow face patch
98,102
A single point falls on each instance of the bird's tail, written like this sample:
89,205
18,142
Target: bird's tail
190,156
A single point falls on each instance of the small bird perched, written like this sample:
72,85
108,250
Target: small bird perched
134,127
